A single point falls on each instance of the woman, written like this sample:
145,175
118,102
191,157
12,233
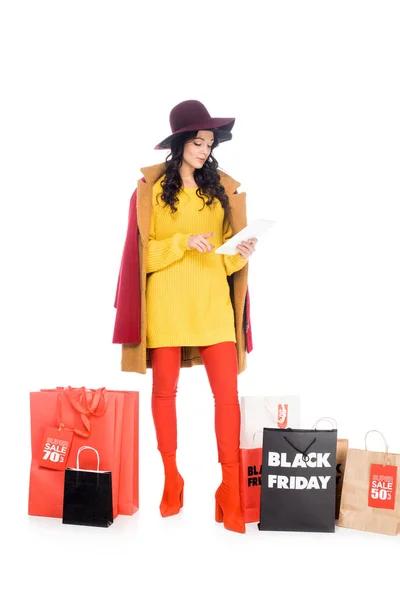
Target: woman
192,299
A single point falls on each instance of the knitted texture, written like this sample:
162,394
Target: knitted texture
188,297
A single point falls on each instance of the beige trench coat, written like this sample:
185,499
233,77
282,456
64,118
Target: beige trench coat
136,357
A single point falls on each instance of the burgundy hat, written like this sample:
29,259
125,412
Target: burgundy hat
192,115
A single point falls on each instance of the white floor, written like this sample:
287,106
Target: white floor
185,556
190,556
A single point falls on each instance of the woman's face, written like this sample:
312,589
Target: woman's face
196,151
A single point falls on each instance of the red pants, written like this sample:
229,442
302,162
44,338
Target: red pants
220,362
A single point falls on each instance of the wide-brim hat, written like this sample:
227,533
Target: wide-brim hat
192,115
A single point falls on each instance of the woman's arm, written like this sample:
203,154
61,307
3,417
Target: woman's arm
162,253
233,262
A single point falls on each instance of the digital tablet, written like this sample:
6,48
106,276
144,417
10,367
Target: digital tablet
255,229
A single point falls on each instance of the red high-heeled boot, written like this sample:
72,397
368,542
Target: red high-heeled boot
227,500
172,498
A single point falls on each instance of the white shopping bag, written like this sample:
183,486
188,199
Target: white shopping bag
258,412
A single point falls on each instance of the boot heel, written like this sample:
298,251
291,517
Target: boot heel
172,499
228,506
218,512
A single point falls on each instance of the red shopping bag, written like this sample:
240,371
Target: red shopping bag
128,493
128,490
250,483
98,416
257,412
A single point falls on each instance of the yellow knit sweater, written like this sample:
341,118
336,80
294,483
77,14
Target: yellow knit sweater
188,299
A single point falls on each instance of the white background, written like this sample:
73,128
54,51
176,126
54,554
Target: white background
86,92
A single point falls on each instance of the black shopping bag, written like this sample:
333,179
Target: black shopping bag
87,495
298,480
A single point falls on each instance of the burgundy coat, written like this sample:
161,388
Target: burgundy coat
127,298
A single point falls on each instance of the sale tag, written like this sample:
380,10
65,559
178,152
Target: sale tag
282,419
382,486
55,448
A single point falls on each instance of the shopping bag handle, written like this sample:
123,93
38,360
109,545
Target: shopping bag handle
87,448
268,410
274,419
303,452
94,405
256,433
330,420
386,460
271,414
381,434
262,432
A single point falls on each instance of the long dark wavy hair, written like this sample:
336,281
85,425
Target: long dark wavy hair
206,178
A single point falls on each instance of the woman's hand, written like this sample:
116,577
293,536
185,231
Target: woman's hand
246,249
200,242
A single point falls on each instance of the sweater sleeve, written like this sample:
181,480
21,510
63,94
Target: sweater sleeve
162,253
233,262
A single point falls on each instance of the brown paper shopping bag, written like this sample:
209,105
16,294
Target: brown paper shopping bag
341,455
341,458
371,491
